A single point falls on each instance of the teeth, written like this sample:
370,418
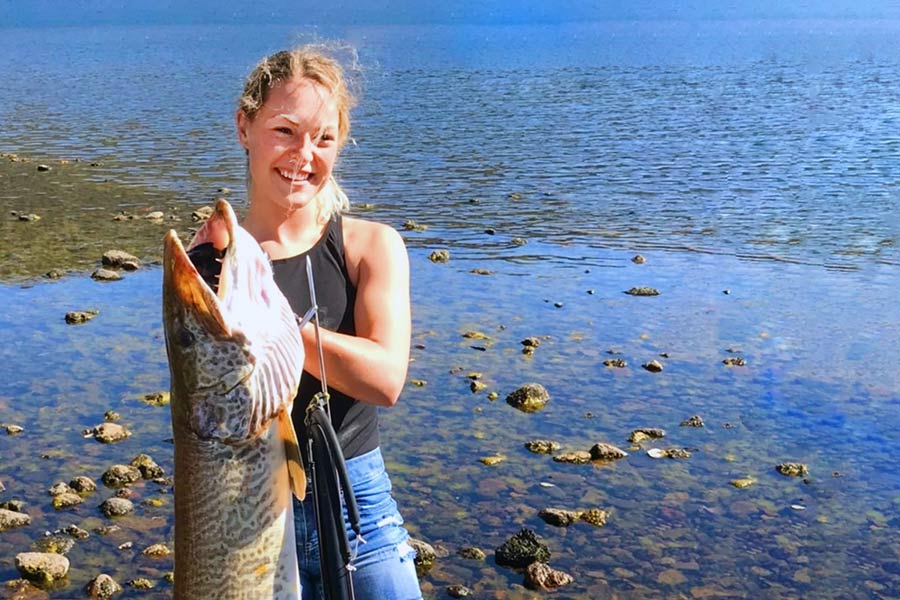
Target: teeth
290,175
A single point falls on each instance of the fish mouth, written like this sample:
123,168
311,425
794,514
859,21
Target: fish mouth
185,287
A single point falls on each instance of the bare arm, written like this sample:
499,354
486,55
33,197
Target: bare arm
371,365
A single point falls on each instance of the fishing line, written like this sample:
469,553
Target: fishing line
330,480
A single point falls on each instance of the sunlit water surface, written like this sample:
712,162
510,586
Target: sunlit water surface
768,172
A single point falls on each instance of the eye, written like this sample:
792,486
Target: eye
185,337
283,130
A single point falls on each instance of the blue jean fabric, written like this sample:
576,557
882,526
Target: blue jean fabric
384,565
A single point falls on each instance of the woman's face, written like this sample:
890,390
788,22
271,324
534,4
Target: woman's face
291,143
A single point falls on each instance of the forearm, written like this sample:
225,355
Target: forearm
359,367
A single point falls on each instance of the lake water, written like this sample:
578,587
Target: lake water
757,158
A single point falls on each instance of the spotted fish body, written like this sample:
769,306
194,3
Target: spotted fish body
235,358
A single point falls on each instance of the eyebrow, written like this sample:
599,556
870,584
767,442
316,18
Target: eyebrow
296,123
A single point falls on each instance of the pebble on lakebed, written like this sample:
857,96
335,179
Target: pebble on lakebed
107,433
116,507
10,519
118,476
42,567
102,586
540,576
529,398
425,556
559,517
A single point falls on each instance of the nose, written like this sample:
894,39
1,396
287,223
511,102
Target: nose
304,153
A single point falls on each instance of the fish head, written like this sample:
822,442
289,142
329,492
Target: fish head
226,382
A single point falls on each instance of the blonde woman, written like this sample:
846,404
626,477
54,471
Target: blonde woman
293,120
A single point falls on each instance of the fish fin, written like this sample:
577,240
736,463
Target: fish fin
292,450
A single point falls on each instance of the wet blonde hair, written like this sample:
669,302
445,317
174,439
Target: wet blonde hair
316,63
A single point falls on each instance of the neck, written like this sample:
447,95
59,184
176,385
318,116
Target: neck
283,232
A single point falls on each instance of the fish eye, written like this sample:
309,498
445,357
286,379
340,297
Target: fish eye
185,337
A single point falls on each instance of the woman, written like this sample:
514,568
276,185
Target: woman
293,119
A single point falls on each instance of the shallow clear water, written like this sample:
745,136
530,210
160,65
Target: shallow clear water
766,166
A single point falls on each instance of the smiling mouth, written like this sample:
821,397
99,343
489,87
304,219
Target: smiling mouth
294,178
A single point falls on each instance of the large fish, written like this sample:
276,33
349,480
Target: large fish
235,358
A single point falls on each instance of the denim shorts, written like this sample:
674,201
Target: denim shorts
384,567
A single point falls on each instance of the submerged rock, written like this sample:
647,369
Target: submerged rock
156,399
521,550
646,433
116,507
576,457
638,259
105,275
540,576
643,291
118,476
76,317
425,556
472,553
669,453
604,451
615,363
529,398
492,460
542,446
439,256
734,361
83,485
595,516
42,567
141,583
57,544
559,517
119,259
10,519
411,225
59,489
108,433
793,469
66,500
694,421
458,591
157,551
654,366
103,586
742,483
147,466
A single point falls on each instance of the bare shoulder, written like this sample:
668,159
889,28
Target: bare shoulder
369,244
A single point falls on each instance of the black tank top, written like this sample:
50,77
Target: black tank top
355,422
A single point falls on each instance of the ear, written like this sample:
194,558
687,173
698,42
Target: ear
243,124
